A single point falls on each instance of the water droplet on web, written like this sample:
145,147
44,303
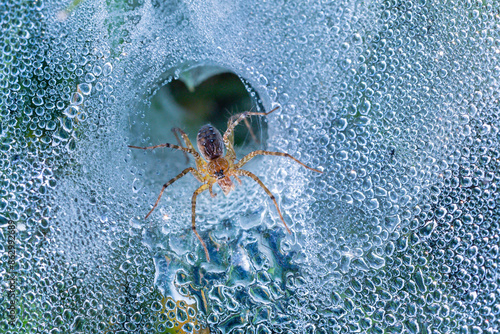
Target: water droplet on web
372,204
89,77
76,99
85,88
37,101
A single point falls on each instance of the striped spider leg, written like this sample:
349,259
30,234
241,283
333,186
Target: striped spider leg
229,142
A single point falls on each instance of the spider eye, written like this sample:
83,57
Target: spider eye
219,174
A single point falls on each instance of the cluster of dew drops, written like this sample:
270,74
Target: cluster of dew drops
52,88
410,236
396,100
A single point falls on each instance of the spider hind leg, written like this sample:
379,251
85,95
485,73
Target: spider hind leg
193,218
196,174
256,179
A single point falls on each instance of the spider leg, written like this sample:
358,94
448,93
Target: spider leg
249,127
210,186
193,208
256,179
253,154
200,163
196,174
234,120
237,179
177,147
175,130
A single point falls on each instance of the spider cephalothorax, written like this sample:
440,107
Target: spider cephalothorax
217,167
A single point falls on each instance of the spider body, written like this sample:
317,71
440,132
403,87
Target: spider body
215,167
211,146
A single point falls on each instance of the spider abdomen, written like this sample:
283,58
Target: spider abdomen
210,143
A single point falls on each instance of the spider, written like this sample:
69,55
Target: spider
217,167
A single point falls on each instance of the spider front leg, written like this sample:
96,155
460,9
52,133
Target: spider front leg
196,174
177,147
249,127
253,154
233,121
200,163
193,219
256,179
178,130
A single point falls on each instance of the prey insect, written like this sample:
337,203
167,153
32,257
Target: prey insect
212,166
